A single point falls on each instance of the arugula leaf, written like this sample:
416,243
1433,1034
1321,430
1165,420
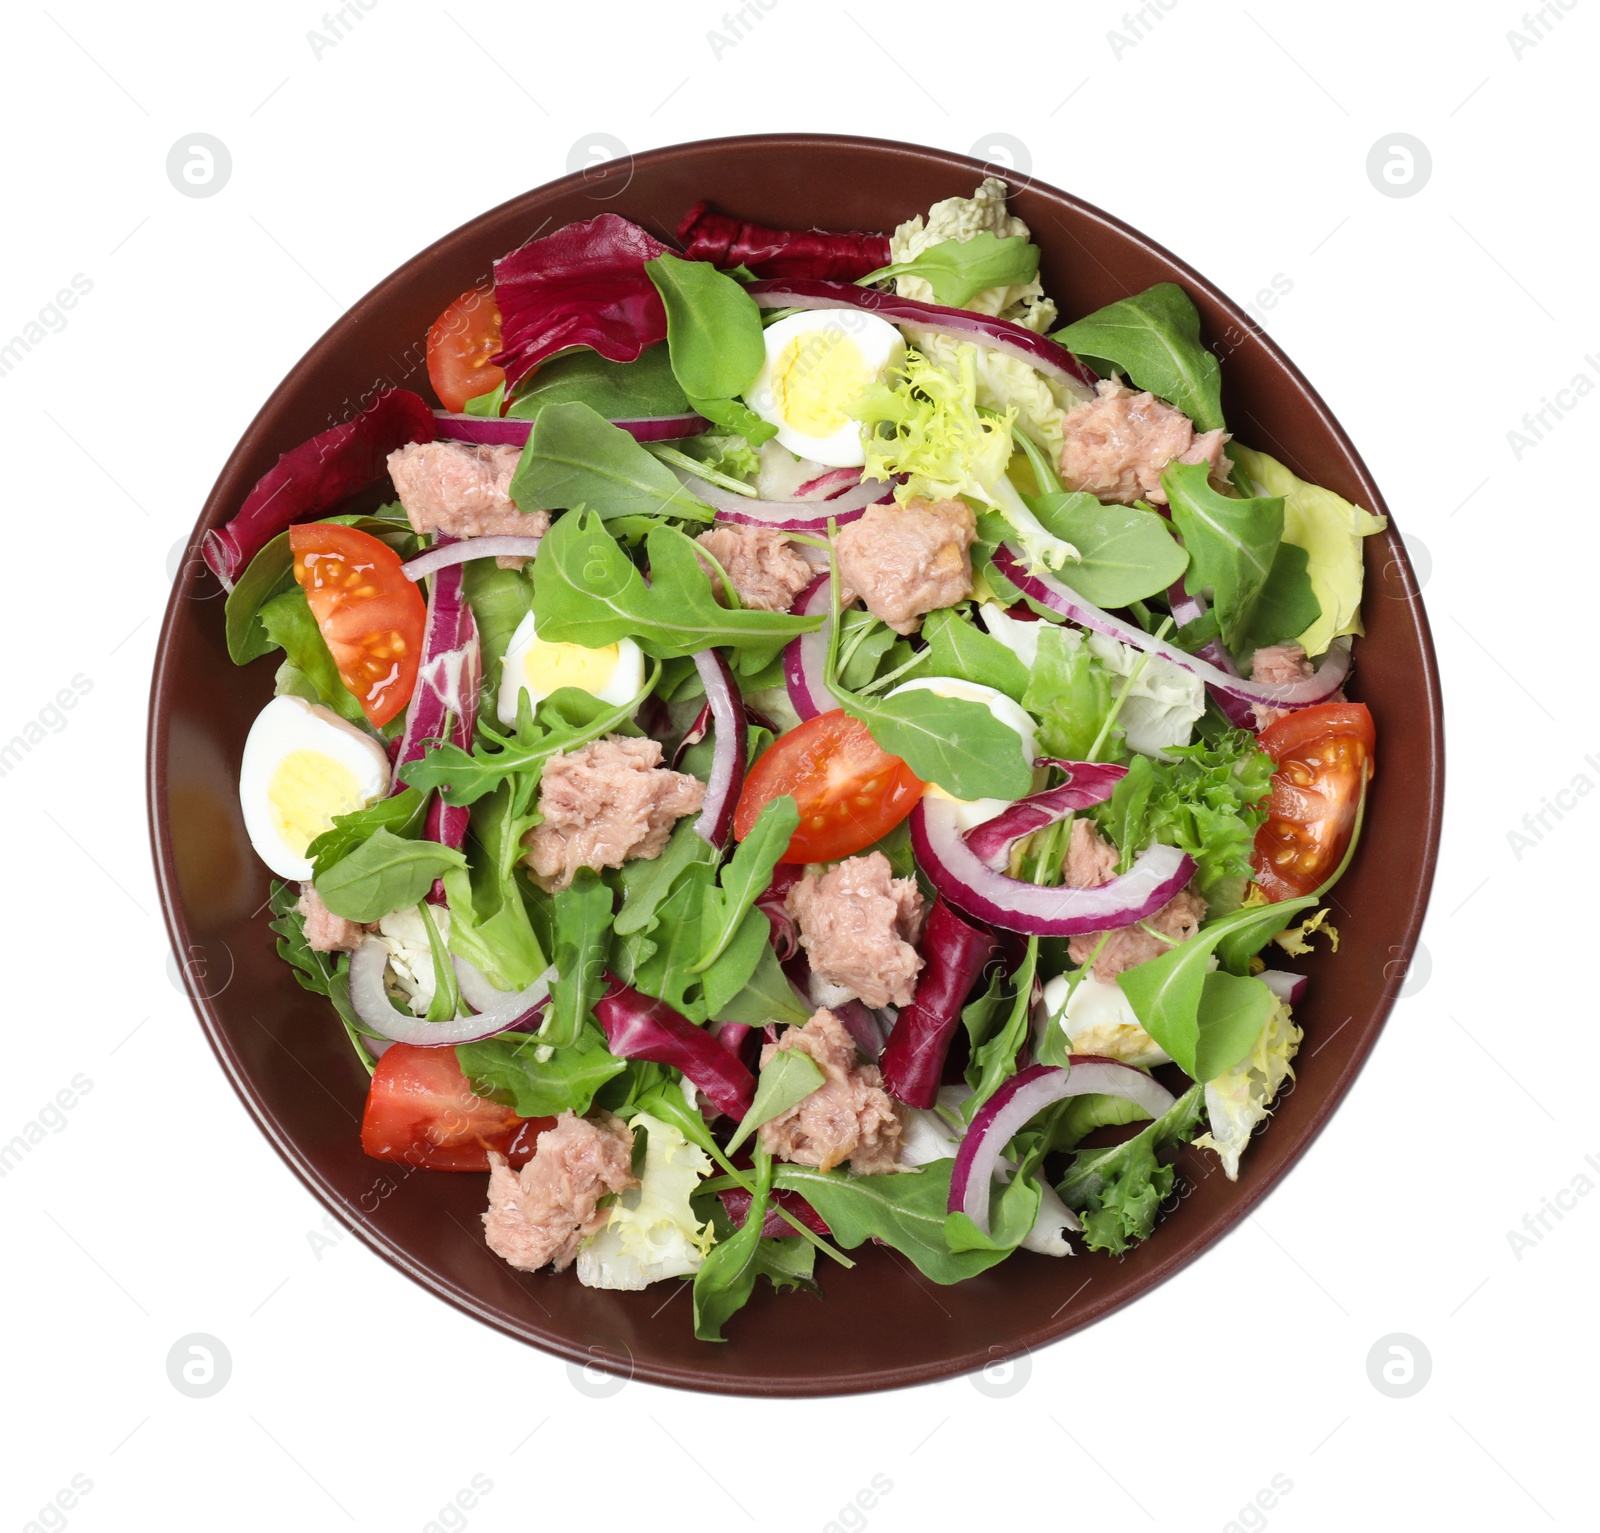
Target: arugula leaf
767,996
384,873
790,1077
404,813
994,1058
747,875
1232,544
446,1000
787,1261
325,974
1153,338
646,882
1201,1025
583,934
509,1069
1287,604
489,922
1070,694
288,624
568,718
1126,553
727,1277
959,269
863,644
587,591
963,650
1012,1212
616,390
678,940
576,457
952,741
499,599
1118,1192
903,1209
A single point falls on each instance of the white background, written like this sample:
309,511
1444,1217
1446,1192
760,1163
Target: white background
1239,139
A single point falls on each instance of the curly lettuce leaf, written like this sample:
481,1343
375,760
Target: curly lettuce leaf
1240,1098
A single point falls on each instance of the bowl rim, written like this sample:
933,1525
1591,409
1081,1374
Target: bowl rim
1249,1194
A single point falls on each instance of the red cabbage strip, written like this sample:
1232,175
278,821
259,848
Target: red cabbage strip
954,954
317,477
513,431
1088,783
637,1027
862,1025
774,906
447,689
726,242
737,1202
584,285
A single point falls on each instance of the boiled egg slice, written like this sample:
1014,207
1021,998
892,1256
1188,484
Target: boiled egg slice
302,765
613,673
817,364
1099,1019
973,812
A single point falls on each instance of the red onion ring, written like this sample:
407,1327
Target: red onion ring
1023,1098
502,1010
1088,782
459,551
781,515
971,885
805,657
1188,609
1061,599
1047,356
1289,988
732,742
510,431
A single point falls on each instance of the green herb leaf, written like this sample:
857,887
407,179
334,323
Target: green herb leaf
1126,553
963,650
614,390
1287,605
583,935
446,1001
1070,694
1232,544
1012,1212
576,457
951,741
766,996
509,1070
1153,339
727,1276
499,599
288,624
742,882
713,327
325,974
994,1058
587,591
489,921
385,873
1233,1010
959,269
790,1077
404,813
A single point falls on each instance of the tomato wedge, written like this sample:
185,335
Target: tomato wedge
461,343
421,1112
849,791
1323,755
371,617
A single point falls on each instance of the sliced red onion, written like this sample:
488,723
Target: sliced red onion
805,657
732,743
830,485
370,998
317,477
459,551
510,431
637,1027
862,1025
692,736
1061,599
785,515
1023,1098
488,1000
1047,356
1289,988
954,955
1088,783
971,885
1185,608
446,690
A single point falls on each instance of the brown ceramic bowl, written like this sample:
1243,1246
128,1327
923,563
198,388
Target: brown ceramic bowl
879,1325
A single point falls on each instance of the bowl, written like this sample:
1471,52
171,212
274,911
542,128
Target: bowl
880,1325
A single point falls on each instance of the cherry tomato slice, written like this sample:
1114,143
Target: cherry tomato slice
461,343
371,617
421,1112
1323,756
849,791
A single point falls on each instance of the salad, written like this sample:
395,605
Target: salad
805,747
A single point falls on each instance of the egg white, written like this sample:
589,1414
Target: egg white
862,346
1099,1019
973,812
302,765
613,674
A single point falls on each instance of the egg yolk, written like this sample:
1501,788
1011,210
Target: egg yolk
306,791
548,667
814,372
